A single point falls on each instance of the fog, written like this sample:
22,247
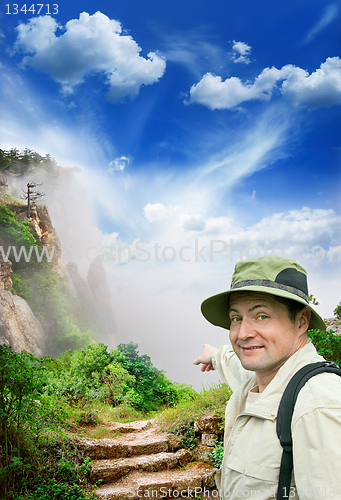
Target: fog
156,300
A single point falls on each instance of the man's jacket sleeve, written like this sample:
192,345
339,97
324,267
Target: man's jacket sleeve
229,368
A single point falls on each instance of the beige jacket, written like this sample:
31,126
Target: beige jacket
252,452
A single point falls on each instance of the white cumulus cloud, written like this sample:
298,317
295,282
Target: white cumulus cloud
308,226
90,44
157,211
321,88
215,93
240,52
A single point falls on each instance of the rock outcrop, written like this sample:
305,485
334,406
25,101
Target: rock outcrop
19,328
83,292
5,273
333,324
4,189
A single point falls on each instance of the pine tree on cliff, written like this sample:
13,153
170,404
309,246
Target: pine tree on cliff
31,195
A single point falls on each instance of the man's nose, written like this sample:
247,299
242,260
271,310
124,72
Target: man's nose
245,329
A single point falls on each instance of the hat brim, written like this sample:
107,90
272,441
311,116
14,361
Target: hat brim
216,308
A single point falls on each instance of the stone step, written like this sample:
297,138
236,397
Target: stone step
196,480
120,428
131,445
137,426
109,470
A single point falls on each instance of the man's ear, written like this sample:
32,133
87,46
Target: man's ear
304,318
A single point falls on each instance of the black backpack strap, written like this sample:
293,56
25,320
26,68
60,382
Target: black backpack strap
284,418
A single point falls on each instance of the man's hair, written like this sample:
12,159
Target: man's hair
293,307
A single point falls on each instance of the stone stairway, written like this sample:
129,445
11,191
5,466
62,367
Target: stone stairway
140,461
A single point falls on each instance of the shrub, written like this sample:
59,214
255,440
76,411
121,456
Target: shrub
36,461
13,231
327,344
212,400
187,433
217,454
20,383
151,387
337,311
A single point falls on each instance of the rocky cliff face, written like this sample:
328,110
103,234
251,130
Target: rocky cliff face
19,328
98,283
95,293
4,184
5,273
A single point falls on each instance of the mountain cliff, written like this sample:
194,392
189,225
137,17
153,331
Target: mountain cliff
46,306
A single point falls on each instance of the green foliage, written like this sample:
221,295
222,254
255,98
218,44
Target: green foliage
60,475
20,382
327,344
207,401
87,416
53,303
23,162
217,454
14,232
187,433
121,376
118,380
313,300
337,311
91,360
151,388
36,460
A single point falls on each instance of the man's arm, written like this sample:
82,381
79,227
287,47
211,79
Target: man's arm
206,358
226,364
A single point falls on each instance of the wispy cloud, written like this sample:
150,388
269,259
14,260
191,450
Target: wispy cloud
194,50
119,164
329,15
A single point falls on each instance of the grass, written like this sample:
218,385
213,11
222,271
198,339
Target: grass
210,401
105,414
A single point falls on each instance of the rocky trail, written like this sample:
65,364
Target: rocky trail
140,461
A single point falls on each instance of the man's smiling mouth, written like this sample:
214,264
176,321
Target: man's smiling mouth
253,347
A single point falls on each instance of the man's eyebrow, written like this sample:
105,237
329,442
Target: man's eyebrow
251,308
258,305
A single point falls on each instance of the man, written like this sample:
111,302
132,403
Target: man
268,314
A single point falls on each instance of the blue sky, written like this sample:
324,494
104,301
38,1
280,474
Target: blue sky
193,124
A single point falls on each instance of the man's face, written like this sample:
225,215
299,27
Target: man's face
262,334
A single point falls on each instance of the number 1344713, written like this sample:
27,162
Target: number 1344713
35,8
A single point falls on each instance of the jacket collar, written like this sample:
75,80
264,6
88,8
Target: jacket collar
266,405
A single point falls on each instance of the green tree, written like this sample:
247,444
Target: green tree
20,383
151,388
118,381
337,311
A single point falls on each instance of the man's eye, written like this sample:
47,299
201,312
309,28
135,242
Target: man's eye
262,316
236,319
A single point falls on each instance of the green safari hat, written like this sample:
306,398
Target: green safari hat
282,277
